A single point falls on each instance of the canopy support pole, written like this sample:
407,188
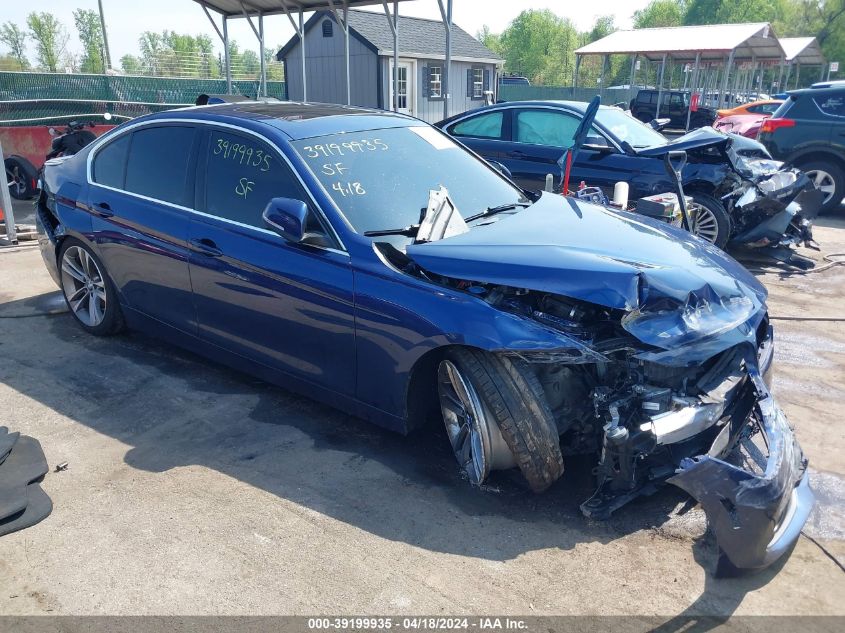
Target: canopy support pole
797,76
344,25
224,37
692,82
259,34
446,14
633,73
300,31
660,87
575,78
724,89
262,86
601,76
780,74
394,27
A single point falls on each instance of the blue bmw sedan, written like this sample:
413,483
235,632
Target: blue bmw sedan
365,259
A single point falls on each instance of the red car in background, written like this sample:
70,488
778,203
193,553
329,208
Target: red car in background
745,124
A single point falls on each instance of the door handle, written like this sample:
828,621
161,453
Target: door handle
205,246
103,209
517,154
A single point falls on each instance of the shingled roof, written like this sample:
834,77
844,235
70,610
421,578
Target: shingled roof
418,37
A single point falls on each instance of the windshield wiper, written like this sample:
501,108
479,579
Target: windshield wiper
408,231
494,210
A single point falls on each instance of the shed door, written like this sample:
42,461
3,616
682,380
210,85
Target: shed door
405,88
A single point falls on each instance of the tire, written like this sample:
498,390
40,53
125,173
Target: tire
22,177
826,174
513,399
714,225
89,293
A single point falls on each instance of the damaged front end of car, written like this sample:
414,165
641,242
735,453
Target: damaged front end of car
660,370
773,209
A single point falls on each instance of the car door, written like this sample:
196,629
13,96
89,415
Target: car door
141,194
540,136
286,306
485,133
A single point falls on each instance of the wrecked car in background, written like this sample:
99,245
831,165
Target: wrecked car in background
528,139
367,260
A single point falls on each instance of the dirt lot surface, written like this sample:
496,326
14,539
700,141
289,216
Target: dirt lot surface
192,489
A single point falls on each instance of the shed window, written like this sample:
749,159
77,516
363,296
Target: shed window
327,28
477,83
435,82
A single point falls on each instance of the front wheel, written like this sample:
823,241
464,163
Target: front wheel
22,177
497,417
709,219
89,293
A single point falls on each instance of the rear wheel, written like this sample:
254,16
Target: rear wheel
89,293
21,176
497,417
829,179
709,219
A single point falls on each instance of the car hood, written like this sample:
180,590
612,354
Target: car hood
702,137
663,277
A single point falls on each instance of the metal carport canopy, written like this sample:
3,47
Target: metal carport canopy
803,50
682,43
251,8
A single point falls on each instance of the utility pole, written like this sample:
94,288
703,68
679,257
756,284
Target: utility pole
105,37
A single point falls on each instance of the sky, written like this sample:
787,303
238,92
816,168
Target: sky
127,19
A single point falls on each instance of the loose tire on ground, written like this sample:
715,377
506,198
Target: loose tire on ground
22,178
514,398
111,321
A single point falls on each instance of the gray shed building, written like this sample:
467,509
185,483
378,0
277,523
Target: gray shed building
421,64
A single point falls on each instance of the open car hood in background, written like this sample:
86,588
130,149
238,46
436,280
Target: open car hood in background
676,288
702,137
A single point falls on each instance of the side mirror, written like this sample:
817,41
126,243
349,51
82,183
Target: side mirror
52,131
598,144
288,217
499,167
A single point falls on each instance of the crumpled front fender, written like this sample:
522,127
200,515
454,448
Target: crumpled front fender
756,517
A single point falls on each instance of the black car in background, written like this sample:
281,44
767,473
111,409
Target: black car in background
674,106
808,131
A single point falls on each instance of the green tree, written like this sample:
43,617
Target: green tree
90,31
734,11
132,65
50,39
14,37
660,13
540,45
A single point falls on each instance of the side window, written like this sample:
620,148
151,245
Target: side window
756,109
242,176
109,165
833,105
769,108
481,126
546,127
676,100
652,97
158,163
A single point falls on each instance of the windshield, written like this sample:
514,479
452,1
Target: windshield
381,179
626,128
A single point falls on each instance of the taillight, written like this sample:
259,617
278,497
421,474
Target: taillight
770,125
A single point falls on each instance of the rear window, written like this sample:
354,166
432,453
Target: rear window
158,163
784,108
110,163
831,105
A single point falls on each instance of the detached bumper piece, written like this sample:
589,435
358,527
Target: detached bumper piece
22,467
756,517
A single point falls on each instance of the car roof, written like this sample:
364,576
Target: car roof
827,90
296,120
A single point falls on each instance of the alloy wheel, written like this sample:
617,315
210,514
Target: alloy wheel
704,224
17,182
466,423
824,182
84,286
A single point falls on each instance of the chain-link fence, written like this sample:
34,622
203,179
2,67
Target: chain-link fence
564,93
48,98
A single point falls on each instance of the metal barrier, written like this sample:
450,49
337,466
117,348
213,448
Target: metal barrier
511,92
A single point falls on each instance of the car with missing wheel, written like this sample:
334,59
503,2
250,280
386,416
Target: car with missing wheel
529,139
367,260
808,131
